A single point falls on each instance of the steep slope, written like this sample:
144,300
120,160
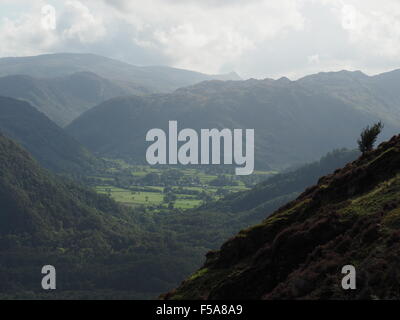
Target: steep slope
34,202
293,123
97,247
49,144
156,79
281,188
209,226
349,217
62,99
44,221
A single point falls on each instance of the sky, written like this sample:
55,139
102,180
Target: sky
255,38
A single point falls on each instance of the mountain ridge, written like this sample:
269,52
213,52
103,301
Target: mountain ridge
63,98
157,79
294,122
49,144
349,217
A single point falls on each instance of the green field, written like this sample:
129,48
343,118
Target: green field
134,185
136,198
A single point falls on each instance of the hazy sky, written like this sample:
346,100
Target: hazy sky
256,38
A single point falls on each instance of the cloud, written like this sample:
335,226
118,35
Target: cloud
314,59
43,29
374,28
24,34
78,23
257,38
206,36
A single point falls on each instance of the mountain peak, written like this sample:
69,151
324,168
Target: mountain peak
335,75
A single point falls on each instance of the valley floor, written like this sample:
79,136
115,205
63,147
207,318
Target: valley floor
168,187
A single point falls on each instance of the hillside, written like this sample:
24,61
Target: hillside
114,251
377,95
294,123
210,225
33,201
99,248
47,142
64,98
349,217
144,79
45,221
281,188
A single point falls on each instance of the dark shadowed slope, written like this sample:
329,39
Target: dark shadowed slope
44,220
350,217
49,144
97,247
210,225
35,202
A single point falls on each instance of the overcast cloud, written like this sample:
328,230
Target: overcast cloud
256,38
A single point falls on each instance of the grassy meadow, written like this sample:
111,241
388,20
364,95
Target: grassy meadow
168,187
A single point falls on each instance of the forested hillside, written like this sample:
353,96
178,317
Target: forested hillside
47,142
97,246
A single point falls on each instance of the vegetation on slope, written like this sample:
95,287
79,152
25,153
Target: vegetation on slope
284,187
96,245
100,249
62,99
350,217
47,142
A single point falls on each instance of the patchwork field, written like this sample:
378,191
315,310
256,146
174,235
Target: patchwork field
168,187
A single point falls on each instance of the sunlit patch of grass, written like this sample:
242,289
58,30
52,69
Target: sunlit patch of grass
373,201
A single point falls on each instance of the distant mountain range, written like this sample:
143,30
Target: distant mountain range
149,78
294,121
63,86
351,217
49,144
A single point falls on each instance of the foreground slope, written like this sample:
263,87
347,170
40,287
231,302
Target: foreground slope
281,188
350,217
210,225
47,142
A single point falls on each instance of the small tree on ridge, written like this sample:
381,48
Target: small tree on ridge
368,137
